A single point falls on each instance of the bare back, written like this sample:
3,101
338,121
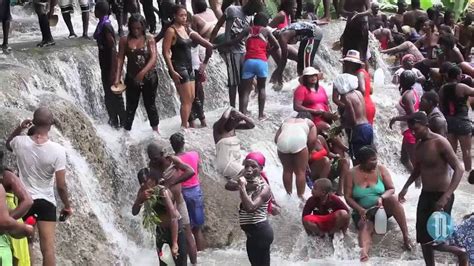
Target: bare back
354,110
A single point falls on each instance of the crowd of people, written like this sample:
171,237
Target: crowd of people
330,151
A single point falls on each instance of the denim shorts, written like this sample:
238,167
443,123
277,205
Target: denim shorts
255,67
195,203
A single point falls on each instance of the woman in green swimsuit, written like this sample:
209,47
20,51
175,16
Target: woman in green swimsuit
368,187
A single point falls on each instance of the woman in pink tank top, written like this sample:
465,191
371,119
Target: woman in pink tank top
191,189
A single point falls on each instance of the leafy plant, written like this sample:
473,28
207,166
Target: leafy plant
150,217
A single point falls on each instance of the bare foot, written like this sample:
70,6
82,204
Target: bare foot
72,36
203,123
363,256
262,117
407,244
84,36
156,130
192,124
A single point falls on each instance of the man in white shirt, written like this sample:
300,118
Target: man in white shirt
41,162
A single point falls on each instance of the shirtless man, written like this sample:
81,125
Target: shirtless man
464,35
397,19
228,161
174,172
356,119
434,157
356,33
410,17
376,18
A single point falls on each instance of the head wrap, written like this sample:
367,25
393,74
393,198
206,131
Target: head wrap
257,157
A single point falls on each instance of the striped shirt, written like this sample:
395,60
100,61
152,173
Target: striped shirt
259,215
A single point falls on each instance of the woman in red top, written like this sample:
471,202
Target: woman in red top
353,65
311,97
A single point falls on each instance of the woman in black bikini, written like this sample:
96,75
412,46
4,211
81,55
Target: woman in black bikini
177,52
141,76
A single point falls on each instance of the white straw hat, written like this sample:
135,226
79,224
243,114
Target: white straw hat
352,56
310,71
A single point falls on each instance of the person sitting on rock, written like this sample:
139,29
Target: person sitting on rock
228,162
324,212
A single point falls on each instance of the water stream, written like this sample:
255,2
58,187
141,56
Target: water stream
102,162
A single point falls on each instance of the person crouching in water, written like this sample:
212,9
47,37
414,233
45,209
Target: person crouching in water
325,212
169,229
255,195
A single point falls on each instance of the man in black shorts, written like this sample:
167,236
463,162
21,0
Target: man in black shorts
433,158
5,18
41,163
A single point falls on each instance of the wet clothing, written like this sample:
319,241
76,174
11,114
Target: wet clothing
356,37
256,56
323,213
6,257
137,60
234,63
456,112
195,204
256,45
293,137
426,207
43,209
5,13
259,240
163,235
37,164
367,197
42,12
369,104
183,211
235,22
309,35
228,161
313,99
435,115
408,136
181,57
113,102
67,6
361,135
19,247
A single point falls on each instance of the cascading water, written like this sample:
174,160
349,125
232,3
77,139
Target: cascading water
102,162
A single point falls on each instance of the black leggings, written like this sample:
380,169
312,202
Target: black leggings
148,87
259,240
197,111
113,102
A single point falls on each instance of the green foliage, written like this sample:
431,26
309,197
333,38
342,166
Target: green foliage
150,217
457,6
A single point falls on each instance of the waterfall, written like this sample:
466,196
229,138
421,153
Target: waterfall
103,162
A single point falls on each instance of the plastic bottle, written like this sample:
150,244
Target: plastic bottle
380,221
166,256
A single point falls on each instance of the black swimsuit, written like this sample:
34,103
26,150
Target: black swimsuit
181,58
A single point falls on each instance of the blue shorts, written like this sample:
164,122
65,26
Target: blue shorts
254,67
195,203
361,135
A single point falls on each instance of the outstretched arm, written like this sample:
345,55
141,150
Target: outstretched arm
24,198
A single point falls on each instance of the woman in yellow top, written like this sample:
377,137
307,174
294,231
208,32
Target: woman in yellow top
19,202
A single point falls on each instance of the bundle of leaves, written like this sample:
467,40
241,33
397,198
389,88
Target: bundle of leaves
150,217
